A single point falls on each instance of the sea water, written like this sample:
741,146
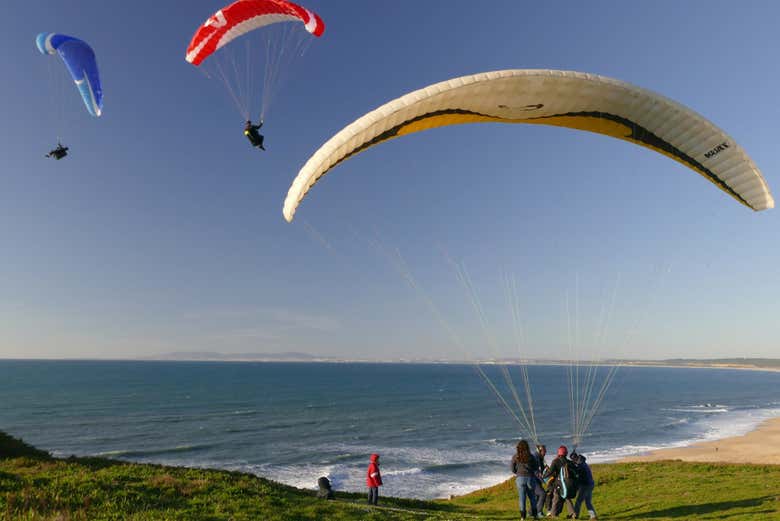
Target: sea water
439,428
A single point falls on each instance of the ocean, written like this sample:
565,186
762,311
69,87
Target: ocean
438,428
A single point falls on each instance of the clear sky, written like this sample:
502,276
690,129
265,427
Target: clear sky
163,230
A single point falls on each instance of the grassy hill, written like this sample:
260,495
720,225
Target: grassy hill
35,486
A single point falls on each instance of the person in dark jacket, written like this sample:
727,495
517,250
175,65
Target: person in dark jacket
524,468
541,466
586,483
59,152
373,480
252,134
554,470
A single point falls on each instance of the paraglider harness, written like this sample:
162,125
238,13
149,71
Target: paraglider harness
568,480
59,152
251,132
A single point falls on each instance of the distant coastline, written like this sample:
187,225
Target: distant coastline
751,364
763,364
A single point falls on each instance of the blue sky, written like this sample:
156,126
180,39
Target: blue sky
163,230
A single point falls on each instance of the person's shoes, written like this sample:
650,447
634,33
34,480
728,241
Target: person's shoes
261,147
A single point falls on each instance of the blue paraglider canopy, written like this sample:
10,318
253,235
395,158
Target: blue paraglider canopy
80,60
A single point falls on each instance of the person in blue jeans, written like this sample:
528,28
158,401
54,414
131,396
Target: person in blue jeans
524,467
586,486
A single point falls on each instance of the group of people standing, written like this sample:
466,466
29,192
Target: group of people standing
567,480
550,487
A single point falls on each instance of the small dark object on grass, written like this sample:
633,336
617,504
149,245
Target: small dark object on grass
325,491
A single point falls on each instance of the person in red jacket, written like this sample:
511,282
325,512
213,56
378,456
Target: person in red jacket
373,480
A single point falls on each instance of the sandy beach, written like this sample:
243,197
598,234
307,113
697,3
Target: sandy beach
760,446
740,367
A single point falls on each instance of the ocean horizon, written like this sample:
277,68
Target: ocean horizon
438,427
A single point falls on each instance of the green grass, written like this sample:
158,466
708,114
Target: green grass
667,490
34,486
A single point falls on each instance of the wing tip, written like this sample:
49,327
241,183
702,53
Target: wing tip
43,42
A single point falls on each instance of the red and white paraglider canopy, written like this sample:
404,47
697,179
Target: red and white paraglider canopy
243,16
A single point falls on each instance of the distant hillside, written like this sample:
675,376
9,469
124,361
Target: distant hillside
259,357
294,356
758,363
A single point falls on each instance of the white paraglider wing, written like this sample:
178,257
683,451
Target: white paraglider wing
549,97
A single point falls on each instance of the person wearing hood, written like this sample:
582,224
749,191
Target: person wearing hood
561,465
373,480
586,483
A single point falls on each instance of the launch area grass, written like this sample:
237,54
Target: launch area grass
34,486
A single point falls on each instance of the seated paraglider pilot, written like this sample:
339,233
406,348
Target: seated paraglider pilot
255,137
59,152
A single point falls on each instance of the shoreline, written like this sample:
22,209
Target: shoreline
761,446
704,366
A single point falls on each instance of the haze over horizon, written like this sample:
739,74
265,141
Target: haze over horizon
303,357
162,232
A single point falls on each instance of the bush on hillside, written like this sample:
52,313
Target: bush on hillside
11,447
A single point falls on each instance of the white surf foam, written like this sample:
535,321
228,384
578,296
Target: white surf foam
717,427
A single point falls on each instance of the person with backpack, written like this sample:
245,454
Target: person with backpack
586,485
524,468
565,488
